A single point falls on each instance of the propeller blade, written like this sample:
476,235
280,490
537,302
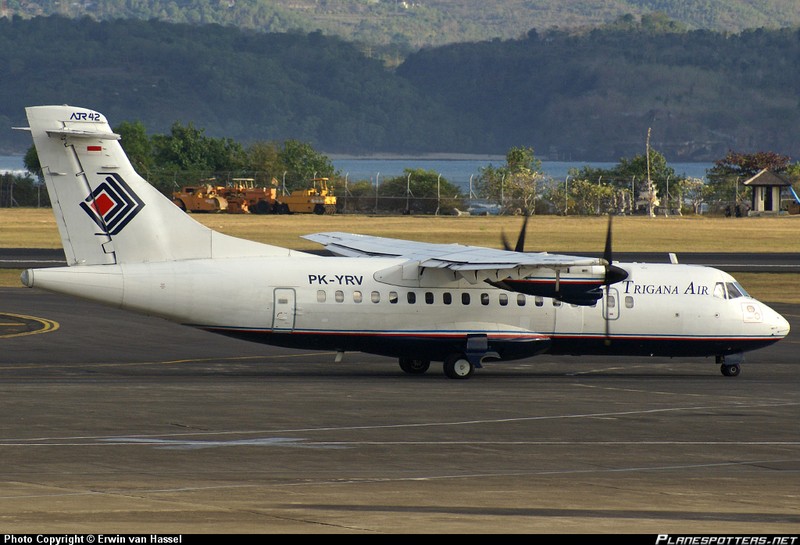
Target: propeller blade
607,253
506,245
614,274
520,246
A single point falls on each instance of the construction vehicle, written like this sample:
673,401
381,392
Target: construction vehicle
244,197
201,198
318,199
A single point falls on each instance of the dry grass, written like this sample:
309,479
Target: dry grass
545,233
36,228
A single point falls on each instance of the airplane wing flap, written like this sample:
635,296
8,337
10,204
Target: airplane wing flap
456,257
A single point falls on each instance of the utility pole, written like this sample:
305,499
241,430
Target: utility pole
651,193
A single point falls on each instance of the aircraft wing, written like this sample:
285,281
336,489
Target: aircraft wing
483,263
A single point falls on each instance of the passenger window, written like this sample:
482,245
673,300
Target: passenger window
321,296
521,299
429,297
484,298
465,298
628,301
412,298
538,301
356,296
375,296
339,296
556,303
611,301
503,299
393,297
447,298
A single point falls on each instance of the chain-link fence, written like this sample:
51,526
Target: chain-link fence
402,196
22,191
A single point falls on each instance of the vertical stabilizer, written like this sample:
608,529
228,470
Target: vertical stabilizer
106,213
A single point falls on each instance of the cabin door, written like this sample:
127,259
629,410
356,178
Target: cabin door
611,304
283,309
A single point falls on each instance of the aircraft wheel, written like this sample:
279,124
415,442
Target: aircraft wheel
457,366
730,370
414,367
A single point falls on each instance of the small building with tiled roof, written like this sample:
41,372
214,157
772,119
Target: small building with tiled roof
767,187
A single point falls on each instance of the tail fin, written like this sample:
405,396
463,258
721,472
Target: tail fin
107,213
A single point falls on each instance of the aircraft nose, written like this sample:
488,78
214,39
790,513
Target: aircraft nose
778,324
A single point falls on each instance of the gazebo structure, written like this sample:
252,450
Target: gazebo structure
767,188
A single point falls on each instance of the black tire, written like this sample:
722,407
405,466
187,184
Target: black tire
414,367
458,366
730,370
263,207
319,209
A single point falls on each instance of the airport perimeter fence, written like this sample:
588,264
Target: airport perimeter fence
365,197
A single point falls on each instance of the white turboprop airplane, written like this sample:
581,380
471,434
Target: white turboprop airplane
130,247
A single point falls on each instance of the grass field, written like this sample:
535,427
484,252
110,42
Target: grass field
36,228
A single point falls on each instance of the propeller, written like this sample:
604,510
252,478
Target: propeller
520,246
614,274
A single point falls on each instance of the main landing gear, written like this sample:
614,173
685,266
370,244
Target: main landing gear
414,367
455,366
730,365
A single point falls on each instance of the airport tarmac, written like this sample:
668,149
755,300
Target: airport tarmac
113,422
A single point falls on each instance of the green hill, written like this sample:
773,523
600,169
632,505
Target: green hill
392,28
589,95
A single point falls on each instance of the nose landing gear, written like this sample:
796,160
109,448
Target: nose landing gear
730,365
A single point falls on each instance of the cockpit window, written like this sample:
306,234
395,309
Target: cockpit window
729,290
735,290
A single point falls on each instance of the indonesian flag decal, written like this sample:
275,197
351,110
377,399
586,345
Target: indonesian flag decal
112,204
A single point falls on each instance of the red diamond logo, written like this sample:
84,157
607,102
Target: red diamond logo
102,204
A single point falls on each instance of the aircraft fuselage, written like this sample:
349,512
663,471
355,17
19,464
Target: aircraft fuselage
331,303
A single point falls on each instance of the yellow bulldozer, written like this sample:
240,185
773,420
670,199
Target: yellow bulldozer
242,196
206,197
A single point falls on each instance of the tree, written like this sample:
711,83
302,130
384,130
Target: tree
635,175
303,163
726,176
264,159
138,147
31,162
186,148
515,186
419,191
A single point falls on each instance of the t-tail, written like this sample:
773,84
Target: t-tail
106,213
